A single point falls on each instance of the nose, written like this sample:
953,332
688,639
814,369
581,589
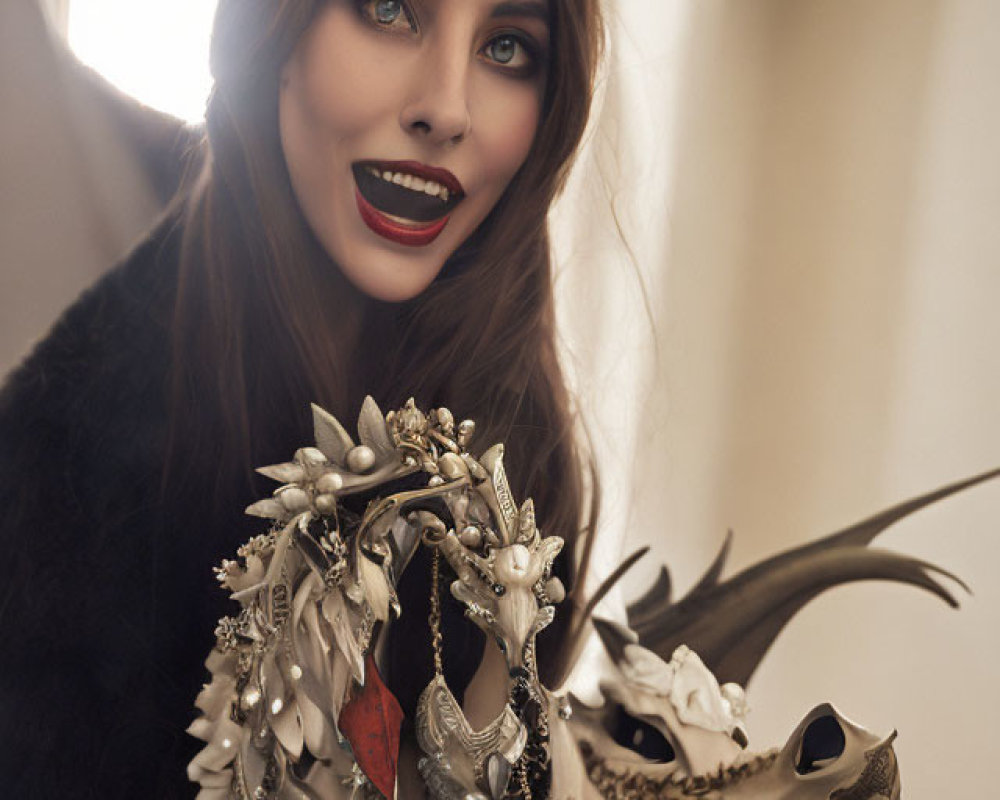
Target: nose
437,109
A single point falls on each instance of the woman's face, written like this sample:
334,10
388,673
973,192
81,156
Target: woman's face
403,121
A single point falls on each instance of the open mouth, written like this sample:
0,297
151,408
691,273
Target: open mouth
405,201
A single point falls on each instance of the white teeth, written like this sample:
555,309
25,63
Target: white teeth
413,182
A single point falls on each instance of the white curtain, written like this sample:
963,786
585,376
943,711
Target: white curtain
811,191
780,266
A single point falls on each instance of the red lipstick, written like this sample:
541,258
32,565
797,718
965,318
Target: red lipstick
409,235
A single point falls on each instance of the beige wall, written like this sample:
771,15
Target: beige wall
824,271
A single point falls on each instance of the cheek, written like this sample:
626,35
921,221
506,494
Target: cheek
507,127
339,83
324,90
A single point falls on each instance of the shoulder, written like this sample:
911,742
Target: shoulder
132,298
101,368
143,281
82,425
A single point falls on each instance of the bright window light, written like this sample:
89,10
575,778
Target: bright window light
155,50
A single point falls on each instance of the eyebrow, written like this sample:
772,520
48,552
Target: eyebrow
522,9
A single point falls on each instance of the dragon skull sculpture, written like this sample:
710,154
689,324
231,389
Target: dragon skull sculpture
668,730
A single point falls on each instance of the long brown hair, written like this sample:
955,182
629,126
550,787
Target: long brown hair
264,321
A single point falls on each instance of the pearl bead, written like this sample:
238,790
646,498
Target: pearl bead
326,503
471,536
555,590
294,499
361,458
330,483
466,428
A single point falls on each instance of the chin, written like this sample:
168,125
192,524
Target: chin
389,277
393,292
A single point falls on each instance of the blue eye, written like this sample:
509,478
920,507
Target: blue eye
389,14
387,11
503,49
512,53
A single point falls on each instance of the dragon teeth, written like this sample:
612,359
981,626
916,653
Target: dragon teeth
412,182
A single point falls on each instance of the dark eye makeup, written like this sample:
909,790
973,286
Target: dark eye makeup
392,15
512,52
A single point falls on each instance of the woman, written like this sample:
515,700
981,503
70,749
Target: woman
306,263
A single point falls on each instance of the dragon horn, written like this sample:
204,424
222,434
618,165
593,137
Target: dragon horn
576,638
732,624
614,637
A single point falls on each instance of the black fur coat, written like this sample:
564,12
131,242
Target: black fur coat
107,598
108,602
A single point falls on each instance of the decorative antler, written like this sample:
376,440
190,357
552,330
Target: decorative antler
733,623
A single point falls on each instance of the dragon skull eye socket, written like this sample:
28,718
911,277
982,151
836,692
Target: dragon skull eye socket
641,738
823,742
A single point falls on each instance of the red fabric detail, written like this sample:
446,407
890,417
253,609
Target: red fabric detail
371,721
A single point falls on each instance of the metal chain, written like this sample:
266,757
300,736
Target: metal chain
434,618
522,778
